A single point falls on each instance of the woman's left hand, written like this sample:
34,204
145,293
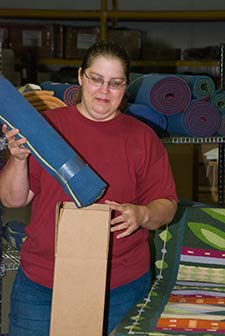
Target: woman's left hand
129,220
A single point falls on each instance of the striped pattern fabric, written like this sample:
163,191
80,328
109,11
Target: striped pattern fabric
188,294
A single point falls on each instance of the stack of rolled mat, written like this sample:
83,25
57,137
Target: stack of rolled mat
64,91
190,103
200,119
43,100
80,182
167,94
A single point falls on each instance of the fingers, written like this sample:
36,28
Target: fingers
10,134
15,145
126,221
17,142
125,226
125,230
4,128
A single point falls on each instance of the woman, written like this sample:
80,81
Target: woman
127,154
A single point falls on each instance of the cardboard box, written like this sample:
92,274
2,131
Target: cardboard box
128,38
182,161
154,53
82,242
41,38
78,40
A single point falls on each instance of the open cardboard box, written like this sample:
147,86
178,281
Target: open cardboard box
82,243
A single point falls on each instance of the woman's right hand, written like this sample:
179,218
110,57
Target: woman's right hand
15,146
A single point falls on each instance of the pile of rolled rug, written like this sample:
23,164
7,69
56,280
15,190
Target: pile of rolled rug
182,105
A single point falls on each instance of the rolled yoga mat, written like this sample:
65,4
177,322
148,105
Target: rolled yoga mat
175,125
201,119
70,94
219,101
156,120
201,85
147,112
79,181
63,91
167,94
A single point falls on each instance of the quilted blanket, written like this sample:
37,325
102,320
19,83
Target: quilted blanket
188,294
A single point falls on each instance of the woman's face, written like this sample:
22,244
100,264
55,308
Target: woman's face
100,101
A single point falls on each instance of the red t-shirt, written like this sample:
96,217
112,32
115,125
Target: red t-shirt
128,155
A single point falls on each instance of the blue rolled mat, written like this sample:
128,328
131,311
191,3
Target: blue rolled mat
63,91
167,94
175,125
147,112
79,181
201,85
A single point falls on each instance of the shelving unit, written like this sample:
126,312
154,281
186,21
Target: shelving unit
104,16
220,141
139,63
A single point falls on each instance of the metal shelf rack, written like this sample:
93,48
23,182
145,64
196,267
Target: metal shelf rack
220,141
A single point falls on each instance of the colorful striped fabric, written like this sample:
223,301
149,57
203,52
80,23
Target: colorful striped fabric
188,294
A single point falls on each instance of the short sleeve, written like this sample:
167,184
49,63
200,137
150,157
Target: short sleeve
155,178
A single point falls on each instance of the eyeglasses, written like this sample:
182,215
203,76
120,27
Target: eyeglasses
114,83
